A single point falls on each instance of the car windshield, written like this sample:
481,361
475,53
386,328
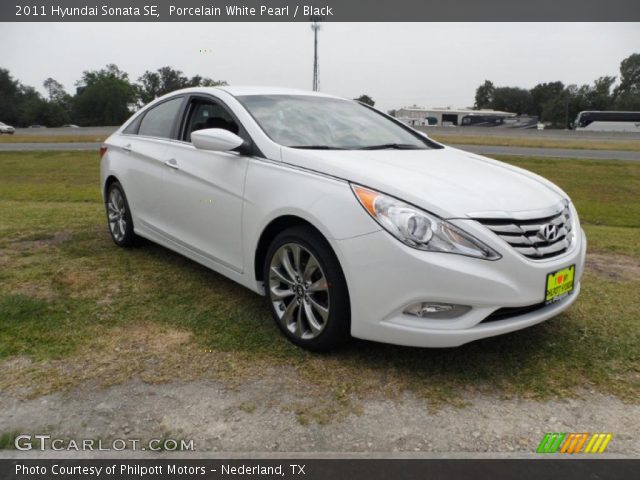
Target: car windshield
314,122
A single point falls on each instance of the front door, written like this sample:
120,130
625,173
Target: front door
203,190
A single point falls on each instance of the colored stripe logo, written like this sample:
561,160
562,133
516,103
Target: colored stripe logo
574,443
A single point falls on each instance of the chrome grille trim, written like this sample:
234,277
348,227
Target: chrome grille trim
525,236
519,215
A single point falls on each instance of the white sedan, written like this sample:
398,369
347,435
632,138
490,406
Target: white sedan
349,222
4,128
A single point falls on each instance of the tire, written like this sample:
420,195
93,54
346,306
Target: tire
308,298
119,218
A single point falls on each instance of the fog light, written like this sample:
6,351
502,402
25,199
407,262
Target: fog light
436,310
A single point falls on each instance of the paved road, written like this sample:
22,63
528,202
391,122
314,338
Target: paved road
569,135
481,149
550,134
56,132
33,147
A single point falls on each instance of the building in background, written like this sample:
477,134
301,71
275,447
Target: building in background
447,117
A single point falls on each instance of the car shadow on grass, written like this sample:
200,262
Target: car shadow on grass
569,352
535,361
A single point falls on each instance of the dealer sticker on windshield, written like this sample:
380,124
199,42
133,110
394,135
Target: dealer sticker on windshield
559,284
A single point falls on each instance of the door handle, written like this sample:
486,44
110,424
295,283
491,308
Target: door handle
172,163
127,148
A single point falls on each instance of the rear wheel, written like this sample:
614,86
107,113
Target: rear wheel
306,290
119,216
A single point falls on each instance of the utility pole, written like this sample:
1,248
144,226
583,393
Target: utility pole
315,26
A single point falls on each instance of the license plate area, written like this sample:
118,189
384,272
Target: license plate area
559,284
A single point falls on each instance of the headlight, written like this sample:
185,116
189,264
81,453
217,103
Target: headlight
419,229
570,222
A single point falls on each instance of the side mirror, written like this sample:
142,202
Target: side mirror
215,139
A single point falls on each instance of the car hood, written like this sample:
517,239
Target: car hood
449,182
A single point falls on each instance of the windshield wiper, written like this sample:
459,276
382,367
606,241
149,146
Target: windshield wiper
317,147
396,146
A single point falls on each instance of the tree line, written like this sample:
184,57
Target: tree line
102,97
558,104
108,97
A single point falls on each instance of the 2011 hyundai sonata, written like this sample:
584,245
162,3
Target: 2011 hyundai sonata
350,222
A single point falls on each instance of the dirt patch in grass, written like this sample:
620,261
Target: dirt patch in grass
16,363
41,291
43,240
621,268
151,352
158,355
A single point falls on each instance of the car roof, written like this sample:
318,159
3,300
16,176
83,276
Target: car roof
238,91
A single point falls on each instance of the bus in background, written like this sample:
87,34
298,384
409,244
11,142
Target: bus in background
608,121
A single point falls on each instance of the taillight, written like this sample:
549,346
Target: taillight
103,150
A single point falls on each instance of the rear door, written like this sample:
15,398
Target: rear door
143,146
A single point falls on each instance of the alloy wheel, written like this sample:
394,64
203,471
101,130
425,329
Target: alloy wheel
299,291
117,214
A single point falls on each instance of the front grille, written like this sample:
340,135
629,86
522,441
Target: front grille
527,236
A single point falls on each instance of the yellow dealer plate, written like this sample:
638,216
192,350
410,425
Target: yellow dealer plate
559,284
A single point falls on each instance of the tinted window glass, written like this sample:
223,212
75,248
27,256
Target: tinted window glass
158,122
209,115
133,127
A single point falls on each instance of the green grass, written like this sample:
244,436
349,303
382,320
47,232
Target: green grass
47,176
539,142
7,440
75,308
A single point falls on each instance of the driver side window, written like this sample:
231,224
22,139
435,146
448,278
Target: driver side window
207,114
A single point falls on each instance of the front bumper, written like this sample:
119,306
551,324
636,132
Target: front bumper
384,276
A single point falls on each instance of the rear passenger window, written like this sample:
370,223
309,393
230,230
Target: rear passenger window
159,121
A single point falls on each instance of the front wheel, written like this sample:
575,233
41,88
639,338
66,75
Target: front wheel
306,290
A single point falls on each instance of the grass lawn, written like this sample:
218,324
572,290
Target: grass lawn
579,144
74,308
